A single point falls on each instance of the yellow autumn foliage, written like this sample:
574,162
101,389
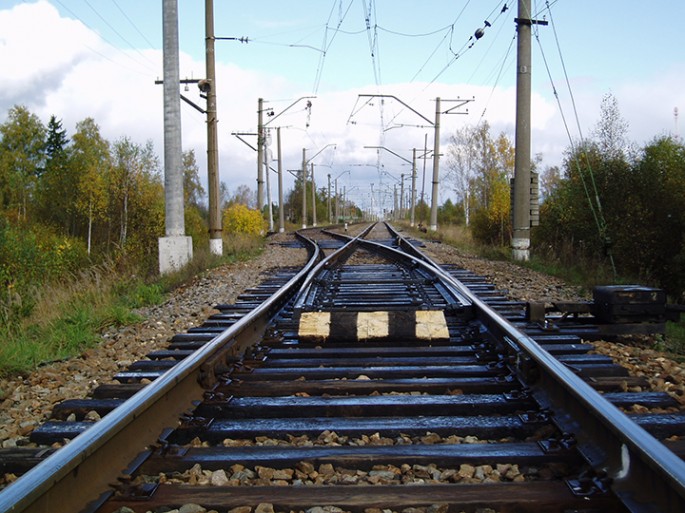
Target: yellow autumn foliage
237,218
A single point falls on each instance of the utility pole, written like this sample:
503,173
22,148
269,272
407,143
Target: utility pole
413,187
402,196
313,197
267,168
304,188
260,154
395,210
209,88
436,168
423,176
281,208
436,144
175,249
520,241
330,211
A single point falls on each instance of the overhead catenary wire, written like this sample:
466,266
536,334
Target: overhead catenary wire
507,55
326,44
135,27
148,67
104,20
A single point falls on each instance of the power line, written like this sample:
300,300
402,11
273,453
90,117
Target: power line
133,24
326,45
105,40
104,20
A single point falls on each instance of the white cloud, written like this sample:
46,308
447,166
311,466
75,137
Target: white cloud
65,69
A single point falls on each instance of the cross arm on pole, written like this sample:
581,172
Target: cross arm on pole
389,151
400,101
459,103
289,106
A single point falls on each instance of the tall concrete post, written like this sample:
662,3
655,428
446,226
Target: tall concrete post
402,196
395,209
281,206
175,250
304,187
330,208
520,241
436,169
260,154
313,197
267,168
413,188
337,202
216,245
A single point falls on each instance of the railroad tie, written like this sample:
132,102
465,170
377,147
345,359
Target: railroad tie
339,326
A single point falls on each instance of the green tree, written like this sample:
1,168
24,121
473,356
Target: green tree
461,166
480,168
22,160
193,192
58,185
195,212
133,165
90,165
610,133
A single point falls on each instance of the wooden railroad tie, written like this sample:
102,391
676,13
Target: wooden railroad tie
360,326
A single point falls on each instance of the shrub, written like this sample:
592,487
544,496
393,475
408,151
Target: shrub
31,257
238,218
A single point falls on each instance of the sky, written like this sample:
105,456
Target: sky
100,58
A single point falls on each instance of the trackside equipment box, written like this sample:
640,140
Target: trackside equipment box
628,303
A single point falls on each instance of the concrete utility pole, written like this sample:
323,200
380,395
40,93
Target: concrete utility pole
402,196
175,250
267,168
436,145
216,245
436,168
413,187
313,197
260,154
304,188
520,242
330,210
281,208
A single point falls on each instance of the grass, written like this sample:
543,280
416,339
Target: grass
69,317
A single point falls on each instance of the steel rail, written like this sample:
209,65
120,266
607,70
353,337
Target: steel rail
79,471
338,255
641,468
416,258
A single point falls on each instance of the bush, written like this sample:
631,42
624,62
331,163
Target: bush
30,258
238,218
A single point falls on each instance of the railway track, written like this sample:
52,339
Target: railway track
369,380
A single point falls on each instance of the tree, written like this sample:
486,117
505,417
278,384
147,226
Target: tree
58,186
480,168
550,180
22,159
196,213
611,130
133,164
243,195
461,162
91,164
193,191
